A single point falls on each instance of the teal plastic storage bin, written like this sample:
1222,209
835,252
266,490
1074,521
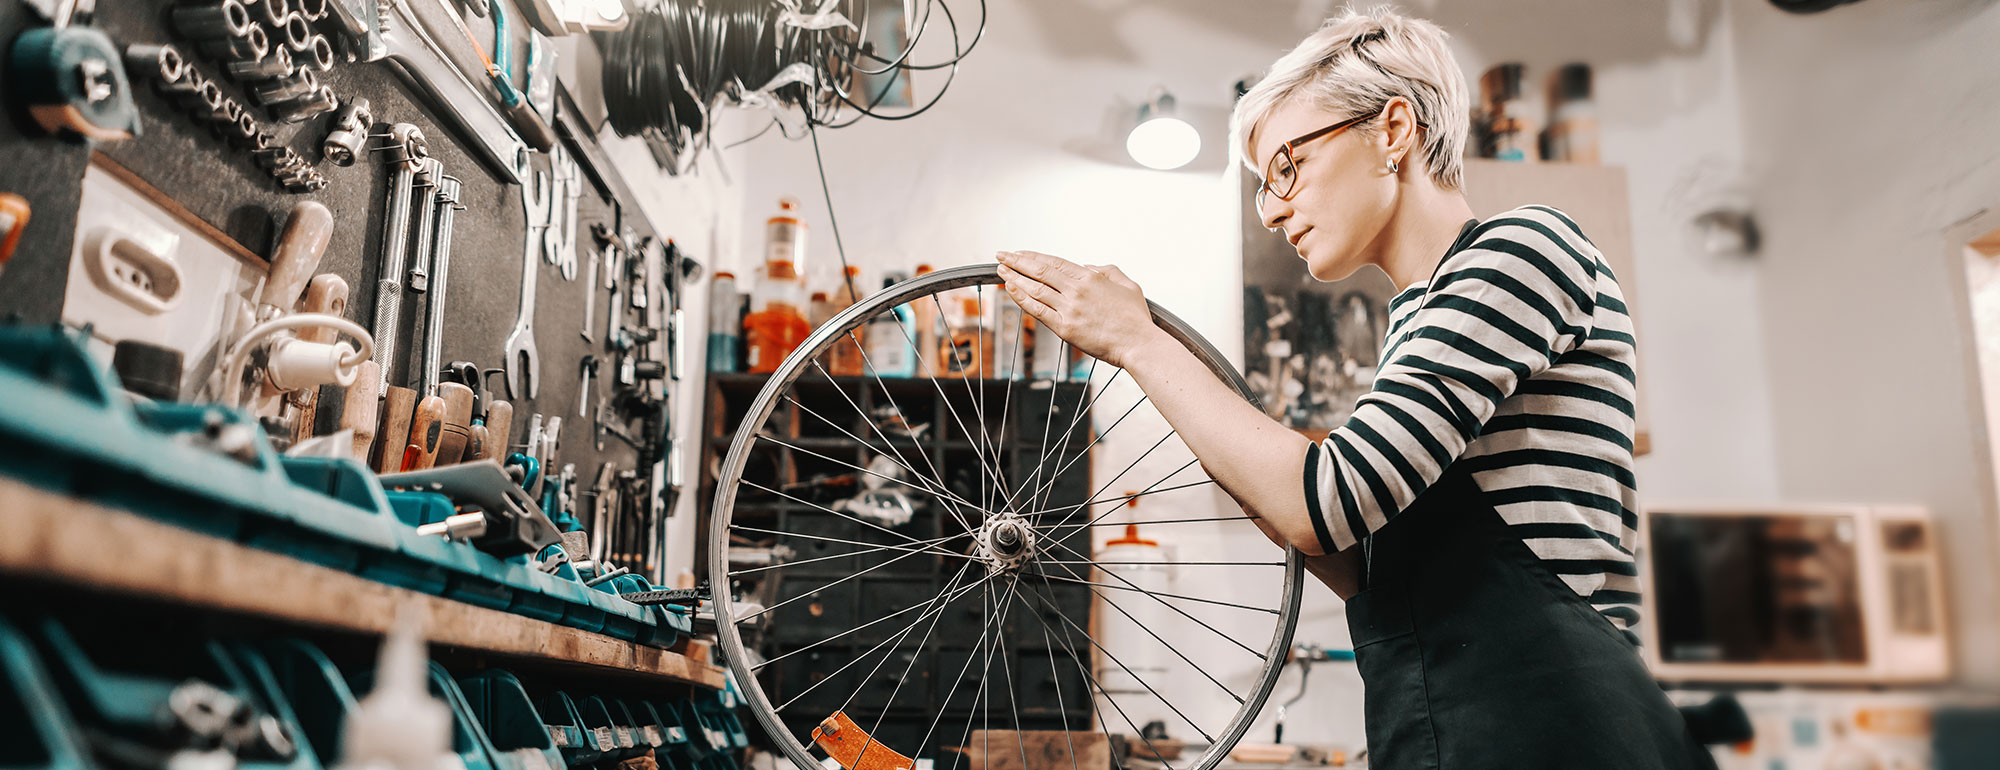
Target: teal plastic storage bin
520,737
133,697
45,737
317,691
578,744
616,738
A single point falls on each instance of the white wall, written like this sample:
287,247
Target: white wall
1874,129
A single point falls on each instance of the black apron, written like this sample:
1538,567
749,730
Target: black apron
1474,655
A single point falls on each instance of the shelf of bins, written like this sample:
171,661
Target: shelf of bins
53,537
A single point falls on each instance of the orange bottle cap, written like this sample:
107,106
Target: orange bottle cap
1132,538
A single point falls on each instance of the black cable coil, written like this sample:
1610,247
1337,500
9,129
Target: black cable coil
675,63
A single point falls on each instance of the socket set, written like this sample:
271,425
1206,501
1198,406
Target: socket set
180,80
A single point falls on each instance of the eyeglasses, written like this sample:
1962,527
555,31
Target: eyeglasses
1281,174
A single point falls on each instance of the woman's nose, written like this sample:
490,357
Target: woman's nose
1274,211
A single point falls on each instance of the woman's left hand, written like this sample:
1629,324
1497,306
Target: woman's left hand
1096,308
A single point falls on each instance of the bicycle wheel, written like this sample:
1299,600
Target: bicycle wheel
934,578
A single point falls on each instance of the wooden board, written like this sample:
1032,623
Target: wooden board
1045,750
58,538
1594,196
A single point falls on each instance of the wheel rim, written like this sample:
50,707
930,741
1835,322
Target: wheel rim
1005,532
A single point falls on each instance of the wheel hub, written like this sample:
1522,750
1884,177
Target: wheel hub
1006,541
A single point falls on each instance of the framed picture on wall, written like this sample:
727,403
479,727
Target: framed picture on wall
1310,349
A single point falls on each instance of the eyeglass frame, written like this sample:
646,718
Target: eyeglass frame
1285,151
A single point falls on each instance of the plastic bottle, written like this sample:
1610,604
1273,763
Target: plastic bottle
1010,339
846,355
890,353
1572,133
819,310
1510,123
927,327
1142,564
778,325
969,348
399,725
785,236
725,326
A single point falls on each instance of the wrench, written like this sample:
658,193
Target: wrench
523,363
447,203
407,150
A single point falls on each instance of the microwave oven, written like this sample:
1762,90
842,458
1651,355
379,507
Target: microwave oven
1846,594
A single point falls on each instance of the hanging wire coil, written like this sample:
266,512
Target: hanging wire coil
667,72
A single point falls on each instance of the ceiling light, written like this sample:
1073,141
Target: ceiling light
1161,140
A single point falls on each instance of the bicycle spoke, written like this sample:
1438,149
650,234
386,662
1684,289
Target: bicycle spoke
937,608
1109,565
1156,637
1121,499
827,586
1077,417
1128,469
886,705
987,462
935,481
846,464
1084,453
1163,603
928,547
1157,594
1128,671
884,387
1092,680
988,623
1149,522
841,514
932,375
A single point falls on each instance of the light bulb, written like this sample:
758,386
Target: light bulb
1163,143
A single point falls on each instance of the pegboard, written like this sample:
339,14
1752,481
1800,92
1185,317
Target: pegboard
222,186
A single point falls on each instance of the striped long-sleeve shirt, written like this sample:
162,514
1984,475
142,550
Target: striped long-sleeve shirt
1516,359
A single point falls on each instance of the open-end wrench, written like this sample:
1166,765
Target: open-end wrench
523,363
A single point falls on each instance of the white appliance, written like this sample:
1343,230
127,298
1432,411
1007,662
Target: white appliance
1792,593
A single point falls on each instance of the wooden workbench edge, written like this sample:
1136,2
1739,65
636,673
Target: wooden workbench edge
54,537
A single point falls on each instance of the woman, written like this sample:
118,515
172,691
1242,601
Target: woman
1476,510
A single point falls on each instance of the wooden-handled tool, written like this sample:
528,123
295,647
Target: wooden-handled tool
426,433
296,258
499,430
362,407
457,422
326,293
399,406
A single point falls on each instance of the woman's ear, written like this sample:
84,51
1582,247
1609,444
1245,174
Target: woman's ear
1399,130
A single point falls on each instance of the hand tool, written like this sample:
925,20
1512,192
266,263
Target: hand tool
600,514
272,12
327,293
398,407
274,65
248,45
424,189
590,295
319,53
211,21
350,129
406,150
473,418
313,10
523,363
426,434
459,397
71,78
515,524
513,104
301,84
398,35
296,258
14,213
307,107
589,368
295,31
360,410
427,425
551,220
499,428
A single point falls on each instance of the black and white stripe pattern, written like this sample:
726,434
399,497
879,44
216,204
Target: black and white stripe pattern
1515,358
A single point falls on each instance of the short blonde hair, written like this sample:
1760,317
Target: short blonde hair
1354,65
